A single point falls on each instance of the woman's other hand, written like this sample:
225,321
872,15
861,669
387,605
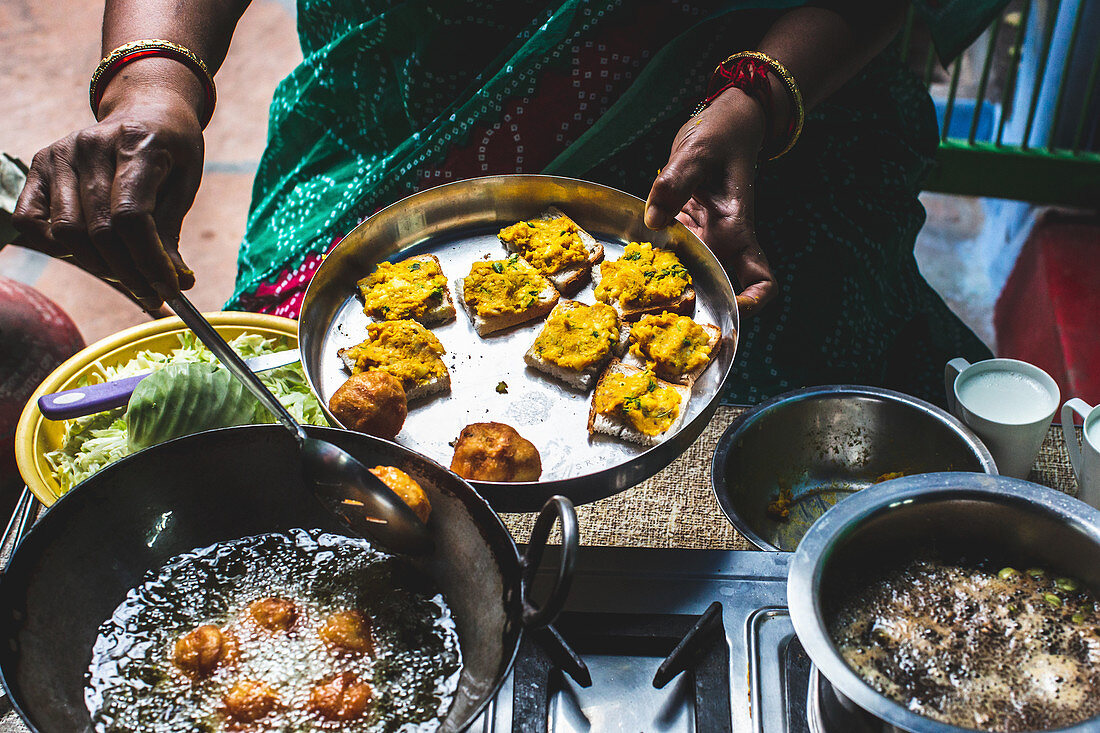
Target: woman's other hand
707,184
113,195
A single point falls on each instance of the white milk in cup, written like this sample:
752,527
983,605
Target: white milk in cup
1008,403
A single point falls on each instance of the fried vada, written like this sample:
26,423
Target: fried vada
249,700
273,614
371,402
201,650
342,697
493,451
347,632
407,488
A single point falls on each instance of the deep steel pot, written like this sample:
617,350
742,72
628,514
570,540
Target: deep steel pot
991,516
99,540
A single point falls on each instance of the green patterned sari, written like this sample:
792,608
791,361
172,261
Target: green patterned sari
393,97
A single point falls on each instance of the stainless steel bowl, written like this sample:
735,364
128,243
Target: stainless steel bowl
824,443
994,516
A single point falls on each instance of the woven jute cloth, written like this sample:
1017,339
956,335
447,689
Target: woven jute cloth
677,508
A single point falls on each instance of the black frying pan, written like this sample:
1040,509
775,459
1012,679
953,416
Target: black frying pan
97,542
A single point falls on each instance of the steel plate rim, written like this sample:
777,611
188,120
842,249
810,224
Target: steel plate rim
502,496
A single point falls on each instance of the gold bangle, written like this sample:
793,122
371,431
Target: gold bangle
798,109
110,65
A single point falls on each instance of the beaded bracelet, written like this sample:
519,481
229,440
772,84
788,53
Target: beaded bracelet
110,65
748,71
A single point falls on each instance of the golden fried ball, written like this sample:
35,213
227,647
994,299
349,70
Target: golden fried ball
342,697
348,632
273,614
249,700
493,451
407,488
372,403
202,649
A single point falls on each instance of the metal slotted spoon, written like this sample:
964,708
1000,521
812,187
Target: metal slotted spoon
341,483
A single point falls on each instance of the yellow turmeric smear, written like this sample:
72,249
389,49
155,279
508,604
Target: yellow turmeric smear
550,245
405,349
672,345
644,275
502,286
639,399
578,337
400,290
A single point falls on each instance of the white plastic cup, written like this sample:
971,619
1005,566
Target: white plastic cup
1084,456
1008,403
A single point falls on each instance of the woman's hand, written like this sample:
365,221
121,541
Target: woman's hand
112,196
707,184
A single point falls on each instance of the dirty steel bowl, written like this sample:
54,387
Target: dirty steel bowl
878,529
824,443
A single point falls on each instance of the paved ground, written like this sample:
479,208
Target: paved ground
49,49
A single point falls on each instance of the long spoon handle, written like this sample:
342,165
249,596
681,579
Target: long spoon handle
234,363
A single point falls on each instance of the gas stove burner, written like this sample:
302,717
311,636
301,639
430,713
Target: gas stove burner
694,645
828,712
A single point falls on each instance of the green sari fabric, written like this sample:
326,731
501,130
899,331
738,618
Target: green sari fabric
390,90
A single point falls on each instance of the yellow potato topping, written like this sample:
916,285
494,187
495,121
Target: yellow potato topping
643,276
399,290
550,245
405,349
502,286
639,399
672,345
576,338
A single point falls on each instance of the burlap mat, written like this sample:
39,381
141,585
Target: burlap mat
677,508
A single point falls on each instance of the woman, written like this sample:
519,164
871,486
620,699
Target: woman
400,96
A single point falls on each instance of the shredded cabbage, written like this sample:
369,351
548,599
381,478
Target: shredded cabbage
94,441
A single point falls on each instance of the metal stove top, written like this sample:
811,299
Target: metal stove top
628,608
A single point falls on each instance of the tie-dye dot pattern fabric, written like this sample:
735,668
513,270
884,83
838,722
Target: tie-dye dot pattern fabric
395,97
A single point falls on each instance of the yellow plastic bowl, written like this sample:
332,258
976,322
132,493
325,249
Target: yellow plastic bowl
35,435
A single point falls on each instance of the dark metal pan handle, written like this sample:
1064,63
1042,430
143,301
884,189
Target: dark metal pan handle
558,507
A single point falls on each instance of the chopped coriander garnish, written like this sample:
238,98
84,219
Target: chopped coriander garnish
498,268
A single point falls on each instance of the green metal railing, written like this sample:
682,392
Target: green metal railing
1060,171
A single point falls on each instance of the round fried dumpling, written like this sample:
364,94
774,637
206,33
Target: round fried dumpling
201,650
273,614
493,451
407,488
249,700
347,632
342,697
371,402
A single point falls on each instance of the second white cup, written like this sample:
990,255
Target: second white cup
1008,403
1085,456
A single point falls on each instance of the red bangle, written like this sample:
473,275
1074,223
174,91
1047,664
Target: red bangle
749,72
110,65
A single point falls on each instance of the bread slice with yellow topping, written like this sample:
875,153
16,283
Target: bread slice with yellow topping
499,294
675,347
633,404
556,247
413,288
646,279
406,350
576,342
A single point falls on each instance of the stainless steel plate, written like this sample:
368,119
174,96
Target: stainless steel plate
458,223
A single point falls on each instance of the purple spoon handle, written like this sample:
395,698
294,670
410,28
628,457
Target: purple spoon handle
87,400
